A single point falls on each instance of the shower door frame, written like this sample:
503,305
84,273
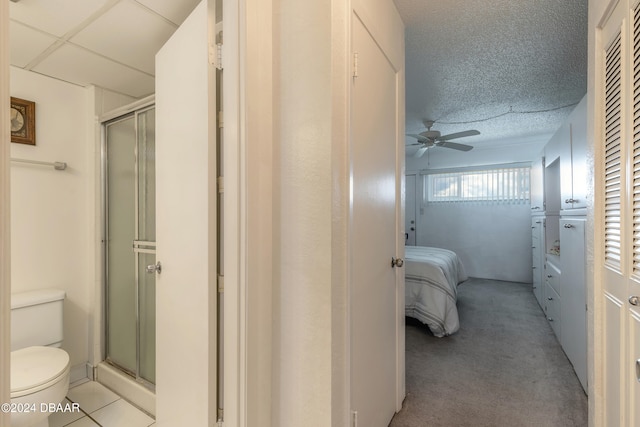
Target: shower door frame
130,111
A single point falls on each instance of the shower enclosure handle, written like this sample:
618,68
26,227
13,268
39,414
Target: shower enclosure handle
154,268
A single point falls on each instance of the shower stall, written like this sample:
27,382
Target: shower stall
129,178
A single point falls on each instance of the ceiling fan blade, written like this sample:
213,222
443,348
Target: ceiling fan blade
455,146
458,135
418,137
420,152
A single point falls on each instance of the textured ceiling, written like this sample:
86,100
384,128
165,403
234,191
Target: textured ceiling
483,63
108,43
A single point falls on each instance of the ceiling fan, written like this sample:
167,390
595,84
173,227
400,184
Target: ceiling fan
432,138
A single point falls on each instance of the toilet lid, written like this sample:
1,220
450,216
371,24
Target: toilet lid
34,366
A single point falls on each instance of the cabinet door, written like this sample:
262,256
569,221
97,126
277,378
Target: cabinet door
566,168
574,159
553,277
537,185
574,295
579,170
537,249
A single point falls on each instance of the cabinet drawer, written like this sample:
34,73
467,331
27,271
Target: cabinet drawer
552,277
552,309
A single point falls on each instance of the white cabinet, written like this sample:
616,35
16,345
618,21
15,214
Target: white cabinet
574,294
573,157
537,249
565,181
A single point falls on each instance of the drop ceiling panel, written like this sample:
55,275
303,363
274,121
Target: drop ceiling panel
55,17
128,33
77,65
27,43
175,11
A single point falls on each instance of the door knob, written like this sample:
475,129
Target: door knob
397,262
154,268
634,300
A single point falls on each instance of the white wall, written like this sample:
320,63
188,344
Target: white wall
49,218
55,215
493,242
302,297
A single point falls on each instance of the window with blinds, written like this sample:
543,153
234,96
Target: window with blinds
500,185
612,142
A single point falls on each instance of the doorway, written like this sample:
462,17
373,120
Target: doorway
410,210
130,244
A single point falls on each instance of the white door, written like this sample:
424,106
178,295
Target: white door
374,320
410,210
618,186
186,225
574,295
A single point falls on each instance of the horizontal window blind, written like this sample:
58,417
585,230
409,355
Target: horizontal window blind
499,185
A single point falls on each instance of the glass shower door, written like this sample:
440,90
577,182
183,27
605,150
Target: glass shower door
130,229
145,246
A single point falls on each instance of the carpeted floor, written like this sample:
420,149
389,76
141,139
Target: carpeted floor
504,367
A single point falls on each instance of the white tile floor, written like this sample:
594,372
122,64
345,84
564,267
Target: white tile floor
101,407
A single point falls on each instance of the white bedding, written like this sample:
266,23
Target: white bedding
431,281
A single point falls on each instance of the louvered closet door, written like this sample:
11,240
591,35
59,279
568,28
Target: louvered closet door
619,187
632,359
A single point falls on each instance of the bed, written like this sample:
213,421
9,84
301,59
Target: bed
431,280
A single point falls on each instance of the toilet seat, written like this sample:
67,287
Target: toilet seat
36,368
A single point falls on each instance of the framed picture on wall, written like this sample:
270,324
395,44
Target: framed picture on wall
23,121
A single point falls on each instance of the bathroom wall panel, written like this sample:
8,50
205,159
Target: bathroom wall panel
49,218
55,215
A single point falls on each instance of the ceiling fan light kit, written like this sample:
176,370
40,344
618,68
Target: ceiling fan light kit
433,138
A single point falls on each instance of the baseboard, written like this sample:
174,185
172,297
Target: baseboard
126,387
80,373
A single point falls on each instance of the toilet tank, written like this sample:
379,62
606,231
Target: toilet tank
36,318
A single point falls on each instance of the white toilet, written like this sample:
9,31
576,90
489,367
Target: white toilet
39,370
